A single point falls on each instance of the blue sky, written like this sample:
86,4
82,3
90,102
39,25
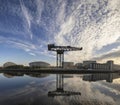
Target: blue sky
27,26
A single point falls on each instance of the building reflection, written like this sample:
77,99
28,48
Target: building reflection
97,77
60,88
37,75
10,75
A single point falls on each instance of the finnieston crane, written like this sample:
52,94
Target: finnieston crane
59,63
60,52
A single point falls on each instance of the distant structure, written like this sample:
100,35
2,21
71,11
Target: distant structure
87,64
39,64
60,52
8,64
106,66
93,65
79,65
116,67
68,65
11,65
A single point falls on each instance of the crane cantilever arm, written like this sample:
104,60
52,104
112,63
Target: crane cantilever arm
77,48
52,47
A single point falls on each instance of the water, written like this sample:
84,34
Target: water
43,89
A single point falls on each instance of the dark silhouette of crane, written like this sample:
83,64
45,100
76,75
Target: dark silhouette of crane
59,63
60,52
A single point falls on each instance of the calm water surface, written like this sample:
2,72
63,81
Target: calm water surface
43,89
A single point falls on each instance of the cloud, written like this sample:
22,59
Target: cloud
27,18
90,93
88,24
111,54
32,54
40,7
93,27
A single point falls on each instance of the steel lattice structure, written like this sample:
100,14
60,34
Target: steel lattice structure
59,63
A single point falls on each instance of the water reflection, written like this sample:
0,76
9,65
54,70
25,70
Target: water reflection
82,89
37,75
96,77
11,75
60,88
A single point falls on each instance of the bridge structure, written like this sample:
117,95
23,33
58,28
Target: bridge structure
59,63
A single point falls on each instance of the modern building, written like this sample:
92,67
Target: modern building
79,65
87,64
11,65
116,67
8,64
93,65
102,66
39,64
68,65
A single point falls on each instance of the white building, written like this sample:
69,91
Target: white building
68,65
39,64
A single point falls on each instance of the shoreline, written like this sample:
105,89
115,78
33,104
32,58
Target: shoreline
58,71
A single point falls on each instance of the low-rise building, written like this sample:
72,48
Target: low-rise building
7,64
68,65
79,65
11,65
87,64
116,67
39,64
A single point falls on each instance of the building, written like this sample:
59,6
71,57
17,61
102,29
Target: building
87,64
79,65
68,65
102,66
93,65
39,64
8,64
11,65
116,67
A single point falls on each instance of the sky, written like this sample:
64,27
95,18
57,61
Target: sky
28,26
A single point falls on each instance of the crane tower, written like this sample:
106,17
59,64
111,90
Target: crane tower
59,63
60,52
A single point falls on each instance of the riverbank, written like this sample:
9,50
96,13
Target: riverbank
59,71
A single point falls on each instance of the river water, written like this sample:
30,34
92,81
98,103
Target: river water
43,89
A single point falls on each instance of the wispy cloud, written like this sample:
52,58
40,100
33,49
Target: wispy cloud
88,24
113,54
91,27
33,54
27,18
